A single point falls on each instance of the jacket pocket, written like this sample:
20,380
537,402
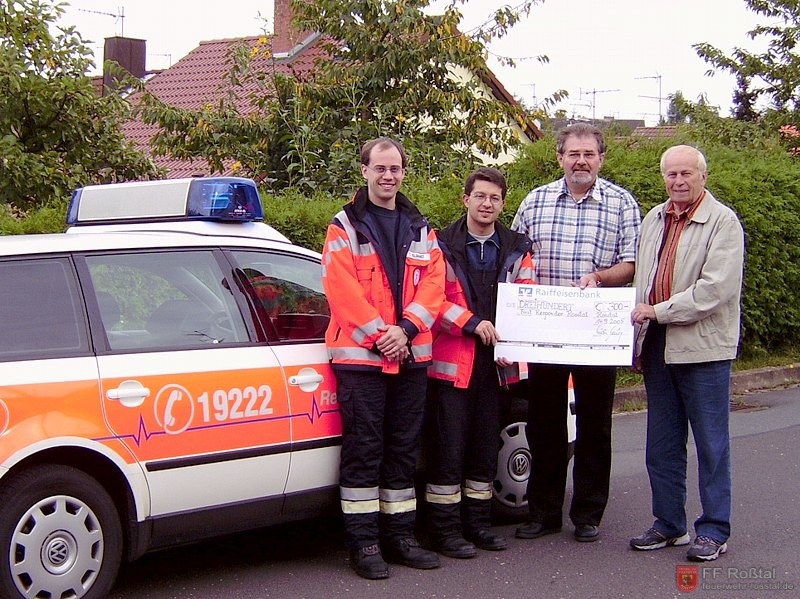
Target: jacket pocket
708,326
365,279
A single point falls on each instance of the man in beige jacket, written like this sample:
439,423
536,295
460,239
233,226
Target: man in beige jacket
688,283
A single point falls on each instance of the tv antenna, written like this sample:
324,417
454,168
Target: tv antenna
659,98
117,17
533,90
593,93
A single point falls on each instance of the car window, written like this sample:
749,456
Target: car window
41,313
163,299
287,289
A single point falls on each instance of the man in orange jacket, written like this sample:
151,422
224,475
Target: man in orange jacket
383,274
464,411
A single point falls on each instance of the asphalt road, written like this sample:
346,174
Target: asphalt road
308,560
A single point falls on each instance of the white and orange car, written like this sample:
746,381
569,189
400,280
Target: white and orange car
164,378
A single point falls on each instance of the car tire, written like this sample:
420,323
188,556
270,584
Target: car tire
60,535
509,499
514,463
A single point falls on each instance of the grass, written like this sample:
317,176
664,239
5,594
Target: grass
781,357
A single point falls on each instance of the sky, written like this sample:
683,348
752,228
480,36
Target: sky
617,58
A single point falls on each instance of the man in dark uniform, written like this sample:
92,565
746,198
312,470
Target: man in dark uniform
464,411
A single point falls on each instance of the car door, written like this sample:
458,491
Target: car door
48,374
287,290
186,386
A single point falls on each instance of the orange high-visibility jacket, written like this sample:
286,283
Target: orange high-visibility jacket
360,294
454,341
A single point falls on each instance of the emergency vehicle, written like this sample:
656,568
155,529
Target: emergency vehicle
163,379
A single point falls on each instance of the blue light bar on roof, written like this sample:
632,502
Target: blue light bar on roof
227,199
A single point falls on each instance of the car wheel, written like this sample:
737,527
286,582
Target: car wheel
60,535
513,470
514,463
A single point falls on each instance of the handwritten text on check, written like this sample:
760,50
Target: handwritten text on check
565,325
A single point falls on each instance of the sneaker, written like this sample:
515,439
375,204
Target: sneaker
653,539
456,546
705,549
368,563
409,553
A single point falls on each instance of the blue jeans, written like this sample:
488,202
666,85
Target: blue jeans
679,395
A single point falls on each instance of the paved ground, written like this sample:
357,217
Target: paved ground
308,560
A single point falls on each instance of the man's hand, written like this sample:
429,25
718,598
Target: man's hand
642,313
487,333
590,280
394,343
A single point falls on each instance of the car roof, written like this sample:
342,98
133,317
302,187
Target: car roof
213,211
150,235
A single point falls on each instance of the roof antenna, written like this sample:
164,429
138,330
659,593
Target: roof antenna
118,17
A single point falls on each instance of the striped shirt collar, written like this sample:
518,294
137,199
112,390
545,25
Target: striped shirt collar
687,211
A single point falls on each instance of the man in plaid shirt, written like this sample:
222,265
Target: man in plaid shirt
584,231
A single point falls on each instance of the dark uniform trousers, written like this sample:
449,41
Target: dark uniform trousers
463,444
547,439
382,416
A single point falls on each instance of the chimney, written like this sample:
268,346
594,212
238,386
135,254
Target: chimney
128,53
285,36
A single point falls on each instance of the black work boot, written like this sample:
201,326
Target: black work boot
455,546
368,562
408,552
477,515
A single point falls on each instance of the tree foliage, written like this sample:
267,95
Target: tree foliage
773,74
391,69
56,133
748,169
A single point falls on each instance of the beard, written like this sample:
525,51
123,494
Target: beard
581,178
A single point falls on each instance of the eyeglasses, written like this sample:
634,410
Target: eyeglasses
380,169
481,197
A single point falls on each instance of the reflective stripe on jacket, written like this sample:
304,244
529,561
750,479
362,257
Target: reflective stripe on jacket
360,294
453,345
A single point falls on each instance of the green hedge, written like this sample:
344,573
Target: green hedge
762,185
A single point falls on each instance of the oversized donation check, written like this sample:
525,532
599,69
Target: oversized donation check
565,325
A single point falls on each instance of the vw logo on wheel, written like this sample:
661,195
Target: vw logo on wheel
520,464
57,552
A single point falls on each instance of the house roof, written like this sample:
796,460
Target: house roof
200,78
654,132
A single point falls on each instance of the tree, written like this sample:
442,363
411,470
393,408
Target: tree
677,109
56,133
390,69
773,74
